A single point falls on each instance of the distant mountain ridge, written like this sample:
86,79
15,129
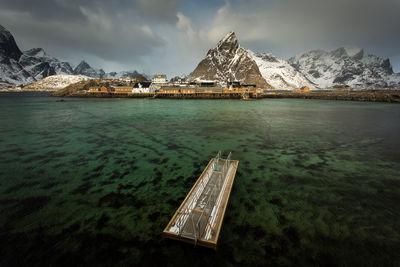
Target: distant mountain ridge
316,69
228,61
84,68
346,66
21,68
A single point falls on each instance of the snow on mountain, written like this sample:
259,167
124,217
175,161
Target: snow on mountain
279,73
346,66
55,82
229,61
40,65
19,68
12,73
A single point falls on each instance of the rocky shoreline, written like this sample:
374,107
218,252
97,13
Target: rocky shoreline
367,95
392,96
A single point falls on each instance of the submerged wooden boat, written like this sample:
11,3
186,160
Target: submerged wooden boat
199,218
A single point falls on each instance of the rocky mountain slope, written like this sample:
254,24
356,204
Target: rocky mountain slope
8,46
229,61
346,66
40,65
279,73
84,68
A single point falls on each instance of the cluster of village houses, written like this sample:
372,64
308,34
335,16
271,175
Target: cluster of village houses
159,84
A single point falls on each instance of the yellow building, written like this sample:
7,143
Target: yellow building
98,90
303,89
176,90
123,89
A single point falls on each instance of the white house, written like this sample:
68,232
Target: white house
139,88
160,79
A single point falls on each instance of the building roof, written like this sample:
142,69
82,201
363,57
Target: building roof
216,89
198,89
123,87
249,85
144,84
160,76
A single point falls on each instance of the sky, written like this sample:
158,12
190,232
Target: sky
172,36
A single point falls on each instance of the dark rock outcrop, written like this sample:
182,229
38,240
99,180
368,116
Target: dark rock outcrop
85,69
8,46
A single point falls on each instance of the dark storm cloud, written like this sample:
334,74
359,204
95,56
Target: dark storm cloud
338,21
288,27
45,9
154,33
69,10
118,31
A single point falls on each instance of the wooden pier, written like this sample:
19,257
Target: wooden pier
199,218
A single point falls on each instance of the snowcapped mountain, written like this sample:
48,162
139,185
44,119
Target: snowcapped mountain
346,66
20,68
40,65
279,73
315,69
229,61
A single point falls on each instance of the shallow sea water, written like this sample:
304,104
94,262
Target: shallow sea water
95,181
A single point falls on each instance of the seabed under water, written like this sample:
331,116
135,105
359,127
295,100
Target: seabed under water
95,181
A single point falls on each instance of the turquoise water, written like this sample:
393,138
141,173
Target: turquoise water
95,181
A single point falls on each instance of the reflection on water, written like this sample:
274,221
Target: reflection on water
95,181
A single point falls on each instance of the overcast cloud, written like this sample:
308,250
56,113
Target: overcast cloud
173,36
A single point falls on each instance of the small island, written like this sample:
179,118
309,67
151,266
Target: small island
140,87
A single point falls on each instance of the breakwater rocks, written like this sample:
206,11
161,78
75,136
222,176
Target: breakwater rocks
153,95
392,96
370,95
